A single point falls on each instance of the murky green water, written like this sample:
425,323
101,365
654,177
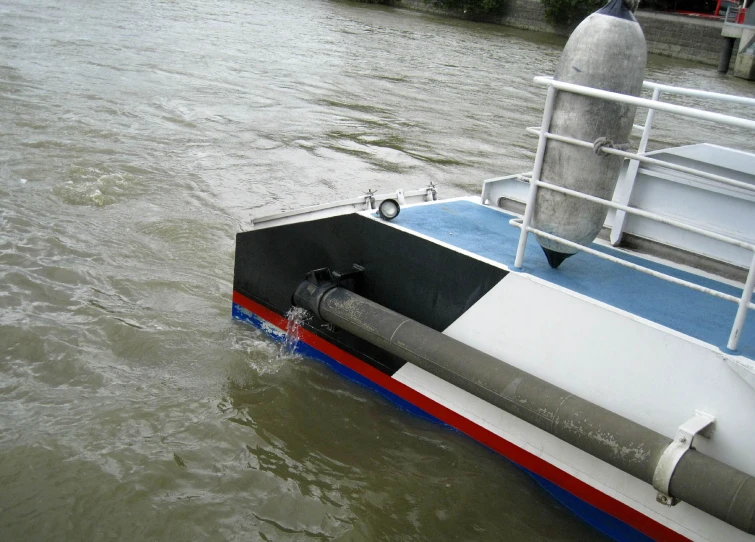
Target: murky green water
135,139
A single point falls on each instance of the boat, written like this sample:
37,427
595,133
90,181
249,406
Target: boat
621,379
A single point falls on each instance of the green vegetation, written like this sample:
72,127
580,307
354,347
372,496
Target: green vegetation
383,2
567,13
478,10
702,6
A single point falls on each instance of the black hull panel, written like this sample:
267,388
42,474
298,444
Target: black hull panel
420,279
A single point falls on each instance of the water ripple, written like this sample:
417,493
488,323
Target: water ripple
135,138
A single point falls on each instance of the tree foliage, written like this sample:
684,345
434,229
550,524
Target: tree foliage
383,2
665,5
471,9
567,13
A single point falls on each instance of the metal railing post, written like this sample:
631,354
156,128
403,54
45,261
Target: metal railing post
626,186
529,210
621,204
744,305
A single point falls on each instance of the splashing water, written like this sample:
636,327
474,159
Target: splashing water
296,316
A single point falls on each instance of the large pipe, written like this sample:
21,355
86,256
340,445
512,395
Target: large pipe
706,483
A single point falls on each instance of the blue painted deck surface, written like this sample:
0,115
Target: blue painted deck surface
487,232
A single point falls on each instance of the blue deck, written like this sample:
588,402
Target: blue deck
487,232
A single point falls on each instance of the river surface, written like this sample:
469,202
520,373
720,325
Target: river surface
136,139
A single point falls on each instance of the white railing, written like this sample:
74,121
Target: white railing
626,184
622,206
732,15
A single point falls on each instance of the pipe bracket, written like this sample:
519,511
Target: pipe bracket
319,282
702,424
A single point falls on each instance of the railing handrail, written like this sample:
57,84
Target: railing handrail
728,11
650,104
517,222
735,11
695,93
745,301
643,159
684,91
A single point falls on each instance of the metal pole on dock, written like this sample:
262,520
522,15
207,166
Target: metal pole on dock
725,58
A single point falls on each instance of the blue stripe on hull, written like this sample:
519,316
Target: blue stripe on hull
304,349
603,522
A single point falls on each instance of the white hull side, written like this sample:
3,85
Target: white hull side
682,518
645,372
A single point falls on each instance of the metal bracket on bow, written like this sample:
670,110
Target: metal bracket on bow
702,424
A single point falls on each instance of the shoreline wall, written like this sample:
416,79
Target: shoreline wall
676,36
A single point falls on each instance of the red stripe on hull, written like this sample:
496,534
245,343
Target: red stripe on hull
516,454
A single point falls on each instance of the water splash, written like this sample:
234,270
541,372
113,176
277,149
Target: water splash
296,317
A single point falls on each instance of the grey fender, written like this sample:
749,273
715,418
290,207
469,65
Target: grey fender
606,52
